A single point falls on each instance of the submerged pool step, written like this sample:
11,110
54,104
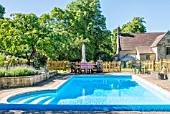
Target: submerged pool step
36,101
47,102
32,100
24,100
20,100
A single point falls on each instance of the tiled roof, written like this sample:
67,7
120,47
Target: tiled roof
130,42
157,40
144,49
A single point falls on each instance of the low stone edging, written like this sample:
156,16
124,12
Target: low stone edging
12,82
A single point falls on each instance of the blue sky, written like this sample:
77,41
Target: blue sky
117,12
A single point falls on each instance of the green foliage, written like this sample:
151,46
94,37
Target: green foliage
58,35
2,72
40,60
103,56
26,35
114,38
82,22
2,11
2,57
12,61
135,26
17,71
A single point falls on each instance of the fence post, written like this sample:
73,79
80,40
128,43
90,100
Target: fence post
140,67
153,65
119,66
160,64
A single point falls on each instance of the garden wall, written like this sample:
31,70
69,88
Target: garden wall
11,82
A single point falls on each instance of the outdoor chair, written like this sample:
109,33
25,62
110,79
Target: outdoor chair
73,67
90,67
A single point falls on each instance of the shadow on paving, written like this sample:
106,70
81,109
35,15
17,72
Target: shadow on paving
52,79
61,77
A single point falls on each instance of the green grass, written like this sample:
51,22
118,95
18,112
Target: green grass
63,71
126,70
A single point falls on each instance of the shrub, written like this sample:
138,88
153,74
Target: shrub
14,61
2,57
2,72
17,71
103,56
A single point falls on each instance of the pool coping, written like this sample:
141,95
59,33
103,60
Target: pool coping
29,89
151,86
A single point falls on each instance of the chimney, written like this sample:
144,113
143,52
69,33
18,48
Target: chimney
118,30
118,40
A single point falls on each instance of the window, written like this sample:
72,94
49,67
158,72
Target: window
168,40
167,50
147,57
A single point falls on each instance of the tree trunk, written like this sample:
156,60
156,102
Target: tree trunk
31,55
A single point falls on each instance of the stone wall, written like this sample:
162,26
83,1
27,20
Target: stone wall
11,82
162,46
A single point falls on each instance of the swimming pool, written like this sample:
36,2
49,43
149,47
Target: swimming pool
97,92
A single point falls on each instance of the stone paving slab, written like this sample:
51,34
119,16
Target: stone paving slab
56,81
165,84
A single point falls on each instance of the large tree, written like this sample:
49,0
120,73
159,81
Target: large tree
137,25
83,22
27,34
58,35
2,11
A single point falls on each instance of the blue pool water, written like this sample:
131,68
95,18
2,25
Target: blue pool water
100,92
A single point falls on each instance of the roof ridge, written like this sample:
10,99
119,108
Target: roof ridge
149,33
142,46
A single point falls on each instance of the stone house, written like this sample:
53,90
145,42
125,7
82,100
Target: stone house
143,46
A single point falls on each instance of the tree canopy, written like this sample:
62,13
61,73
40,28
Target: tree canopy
27,35
58,35
2,11
135,26
82,22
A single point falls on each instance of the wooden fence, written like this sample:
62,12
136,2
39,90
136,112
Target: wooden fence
58,65
143,66
63,65
111,66
156,65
